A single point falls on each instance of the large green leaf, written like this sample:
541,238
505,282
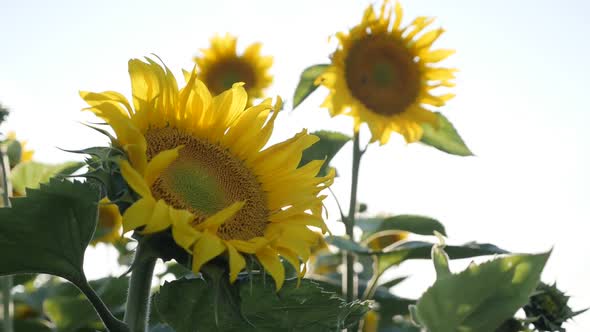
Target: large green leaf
445,137
49,230
31,174
483,296
254,305
328,146
306,83
194,305
410,223
422,250
305,308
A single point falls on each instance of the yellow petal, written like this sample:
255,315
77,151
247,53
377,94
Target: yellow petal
134,179
205,249
182,231
159,163
160,219
428,38
138,214
436,56
251,246
212,223
269,259
236,262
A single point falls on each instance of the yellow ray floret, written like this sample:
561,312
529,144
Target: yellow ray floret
383,74
200,167
220,66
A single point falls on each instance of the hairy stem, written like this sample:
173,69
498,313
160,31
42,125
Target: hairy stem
111,322
138,298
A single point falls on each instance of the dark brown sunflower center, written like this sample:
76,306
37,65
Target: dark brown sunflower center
222,75
204,179
381,73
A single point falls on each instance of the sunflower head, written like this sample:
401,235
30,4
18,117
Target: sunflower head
16,150
199,169
384,75
220,67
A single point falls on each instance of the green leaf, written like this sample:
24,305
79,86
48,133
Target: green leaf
49,230
305,308
422,250
71,313
193,305
306,83
445,137
483,296
410,223
325,149
32,174
348,245
441,261
393,282
254,305
31,325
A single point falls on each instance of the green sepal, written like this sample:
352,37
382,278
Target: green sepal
481,297
307,84
444,138
325,149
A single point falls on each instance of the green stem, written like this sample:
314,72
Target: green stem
6,281
351,277
138,298
7,303
111,322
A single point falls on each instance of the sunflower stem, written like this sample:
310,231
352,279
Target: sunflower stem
6,281
111,322
351,281
140,283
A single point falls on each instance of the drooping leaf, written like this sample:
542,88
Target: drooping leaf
328,146
305,308
422,250
306,83
31,174
483,296
445,137
49,230
410,223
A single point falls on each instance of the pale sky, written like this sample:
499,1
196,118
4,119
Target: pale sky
520,106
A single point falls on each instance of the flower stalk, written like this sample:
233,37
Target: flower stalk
6,281
111,322
351,279
138,299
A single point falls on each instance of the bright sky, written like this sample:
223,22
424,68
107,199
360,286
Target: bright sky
520,106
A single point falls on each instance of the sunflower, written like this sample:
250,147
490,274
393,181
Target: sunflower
383,74
199,166
108,229
21,153
220,67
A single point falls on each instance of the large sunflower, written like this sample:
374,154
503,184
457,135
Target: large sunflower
199,165
384,75
220,67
